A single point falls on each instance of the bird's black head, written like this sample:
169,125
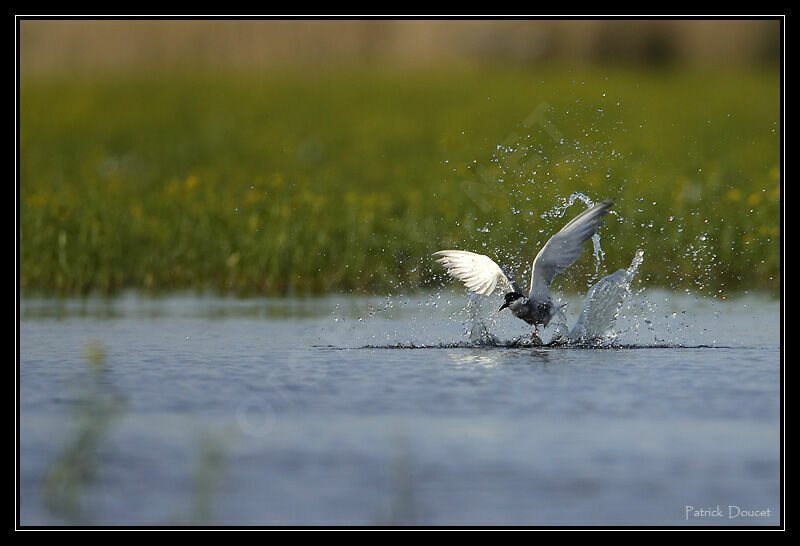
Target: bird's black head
511,296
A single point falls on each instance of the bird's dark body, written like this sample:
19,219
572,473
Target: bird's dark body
532,312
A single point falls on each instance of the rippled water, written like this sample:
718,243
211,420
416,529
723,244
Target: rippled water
273,412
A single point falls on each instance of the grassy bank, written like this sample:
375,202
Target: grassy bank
293,183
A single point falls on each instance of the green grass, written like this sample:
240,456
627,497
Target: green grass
348,180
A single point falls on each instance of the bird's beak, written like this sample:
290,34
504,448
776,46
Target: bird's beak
503,306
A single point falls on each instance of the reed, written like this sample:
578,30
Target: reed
347,180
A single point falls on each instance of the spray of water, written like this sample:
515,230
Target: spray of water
595,324
559,147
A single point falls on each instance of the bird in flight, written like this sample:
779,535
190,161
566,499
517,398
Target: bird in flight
480,274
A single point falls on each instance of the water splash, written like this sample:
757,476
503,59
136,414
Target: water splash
595,325
559,211
479,334
601,308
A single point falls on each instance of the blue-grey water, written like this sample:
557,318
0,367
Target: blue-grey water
187,410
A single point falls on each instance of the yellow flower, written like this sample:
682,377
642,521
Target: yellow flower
173,186
252,222
734,195
754,199
37,199
277,181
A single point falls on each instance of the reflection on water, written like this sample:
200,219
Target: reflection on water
490,359
75,467
402,507
98,409
218,411
207,478
131,306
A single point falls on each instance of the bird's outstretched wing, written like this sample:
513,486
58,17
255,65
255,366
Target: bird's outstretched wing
563,249
479,273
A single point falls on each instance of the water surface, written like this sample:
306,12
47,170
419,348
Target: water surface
272,412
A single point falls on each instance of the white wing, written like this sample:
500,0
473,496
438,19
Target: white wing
479,273
563,249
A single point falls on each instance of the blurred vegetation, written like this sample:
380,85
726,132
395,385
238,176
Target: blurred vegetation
210,462
77,465
347,180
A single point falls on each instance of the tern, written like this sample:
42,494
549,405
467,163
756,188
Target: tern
480,274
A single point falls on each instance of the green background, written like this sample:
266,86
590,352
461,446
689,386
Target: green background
347,179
